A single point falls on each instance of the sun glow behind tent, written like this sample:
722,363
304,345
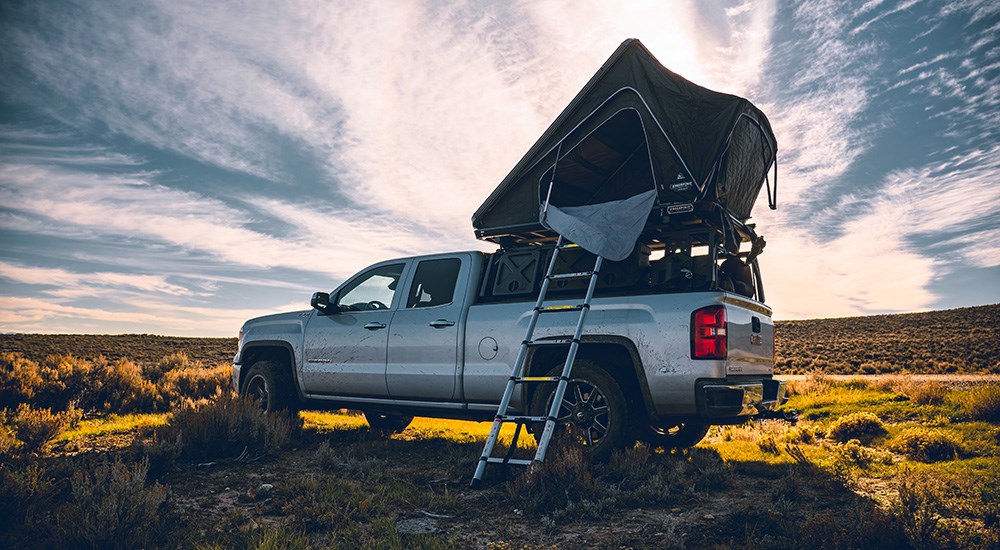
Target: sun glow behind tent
637,138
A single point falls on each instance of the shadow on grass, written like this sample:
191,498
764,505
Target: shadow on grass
350,487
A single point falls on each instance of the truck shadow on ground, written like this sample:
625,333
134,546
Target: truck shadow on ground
349,487
641,497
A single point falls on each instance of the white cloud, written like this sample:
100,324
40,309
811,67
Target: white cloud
85,281
415,111
860,255
41,316
875,265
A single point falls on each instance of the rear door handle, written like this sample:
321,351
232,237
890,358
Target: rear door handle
441,323
374,326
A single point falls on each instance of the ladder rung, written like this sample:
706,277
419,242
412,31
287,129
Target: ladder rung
537,379
561,309
575,275
521,418
515,461
559,342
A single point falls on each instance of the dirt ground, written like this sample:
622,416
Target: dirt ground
420,486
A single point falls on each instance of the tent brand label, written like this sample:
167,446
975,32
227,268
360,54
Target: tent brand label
679,187
680,208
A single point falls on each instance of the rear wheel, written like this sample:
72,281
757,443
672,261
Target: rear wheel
593,410
387,424
674,435
269,384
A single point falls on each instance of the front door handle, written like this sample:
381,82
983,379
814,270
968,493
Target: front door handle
441,323
374,326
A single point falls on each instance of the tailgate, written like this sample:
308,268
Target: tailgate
750,337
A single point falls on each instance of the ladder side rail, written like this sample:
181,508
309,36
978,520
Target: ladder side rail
494,434
560,393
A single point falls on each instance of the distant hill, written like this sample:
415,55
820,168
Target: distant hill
965,340
141,348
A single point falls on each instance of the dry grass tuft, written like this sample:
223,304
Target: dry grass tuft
982,402
863,426
28,430
226,427
815,383
921,392
926,445
112,507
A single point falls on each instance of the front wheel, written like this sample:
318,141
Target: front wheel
270,385
387,424
674,435
593,409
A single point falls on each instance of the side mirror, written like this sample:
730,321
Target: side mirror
321,302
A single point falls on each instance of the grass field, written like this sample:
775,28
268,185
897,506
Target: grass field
102,452
921,472
953,341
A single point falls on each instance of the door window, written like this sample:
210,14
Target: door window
434,283
372,291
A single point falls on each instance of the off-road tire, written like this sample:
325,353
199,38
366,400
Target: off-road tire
387,424
270,383
605,415
674,436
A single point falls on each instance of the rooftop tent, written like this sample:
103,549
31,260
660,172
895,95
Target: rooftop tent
635,138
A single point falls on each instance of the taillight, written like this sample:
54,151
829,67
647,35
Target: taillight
708,333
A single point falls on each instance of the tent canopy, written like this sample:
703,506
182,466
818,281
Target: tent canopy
638,133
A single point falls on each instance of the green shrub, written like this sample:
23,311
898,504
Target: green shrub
19,379
919,508
926,445
226,427
568,486
195,383
854,454
8,438
60,380
565,477
921,392
34,429
113,508
103,386
51,384
119,387
863,426
982,402
174,361
815,383
21,488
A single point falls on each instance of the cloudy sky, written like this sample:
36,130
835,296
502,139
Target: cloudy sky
176,167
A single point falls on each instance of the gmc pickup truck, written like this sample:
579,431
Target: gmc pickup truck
437,335
645,169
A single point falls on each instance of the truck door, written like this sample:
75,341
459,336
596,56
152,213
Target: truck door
345,350
425,332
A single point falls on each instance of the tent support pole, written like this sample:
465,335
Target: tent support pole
548,194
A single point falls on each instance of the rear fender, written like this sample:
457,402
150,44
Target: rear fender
607,350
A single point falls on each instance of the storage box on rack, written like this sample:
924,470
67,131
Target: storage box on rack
517,272
628,273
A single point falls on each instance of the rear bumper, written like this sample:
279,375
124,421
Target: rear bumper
733,399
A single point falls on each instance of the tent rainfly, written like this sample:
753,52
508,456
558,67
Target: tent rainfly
636,137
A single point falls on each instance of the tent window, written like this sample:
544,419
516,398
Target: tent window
611,163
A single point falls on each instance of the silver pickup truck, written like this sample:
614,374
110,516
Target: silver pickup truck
437,336
677,337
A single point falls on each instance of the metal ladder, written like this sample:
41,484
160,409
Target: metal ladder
517,375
